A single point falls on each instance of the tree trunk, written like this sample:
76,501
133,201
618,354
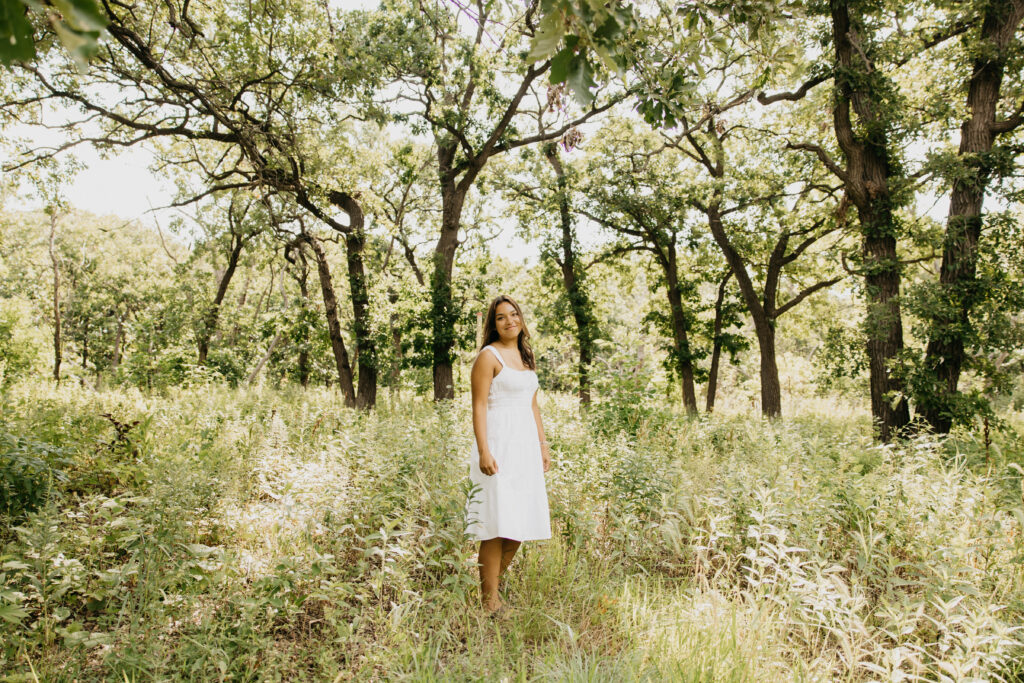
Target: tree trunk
867,185
716,351
684,362
762,313
55,263
304,367
771,387
209,322
366,351
263,361
442,305
884,322
950,325
572,279
301,275
305,341
394,381
118,342
333,325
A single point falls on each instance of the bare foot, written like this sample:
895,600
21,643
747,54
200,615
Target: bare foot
502,613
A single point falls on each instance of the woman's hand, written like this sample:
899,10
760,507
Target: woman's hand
545,454
488,465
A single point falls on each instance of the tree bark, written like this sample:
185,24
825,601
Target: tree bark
55,263
333,325
866,177
716,350
680,326
304,348
209,322
366,351
572,279
395,380
85,348
950,325
302,277
442,306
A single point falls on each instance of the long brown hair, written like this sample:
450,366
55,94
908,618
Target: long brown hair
490,333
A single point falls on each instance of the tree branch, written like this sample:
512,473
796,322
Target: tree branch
616,251
804,294
555,134
798,94
823,155
1010,122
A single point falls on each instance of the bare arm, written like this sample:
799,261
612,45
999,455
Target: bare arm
545,453
484,370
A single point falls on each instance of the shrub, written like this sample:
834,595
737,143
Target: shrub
20,341
28,470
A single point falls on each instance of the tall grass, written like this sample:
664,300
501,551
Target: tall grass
275,535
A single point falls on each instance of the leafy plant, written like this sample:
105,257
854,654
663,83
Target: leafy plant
28,471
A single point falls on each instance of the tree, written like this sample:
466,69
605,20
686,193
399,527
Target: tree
573,273
540,204
242,228
727,316
639,194
468,88
978,162
738,186
248,96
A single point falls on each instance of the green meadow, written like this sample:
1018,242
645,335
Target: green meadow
208,533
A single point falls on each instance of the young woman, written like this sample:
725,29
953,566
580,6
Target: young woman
510,454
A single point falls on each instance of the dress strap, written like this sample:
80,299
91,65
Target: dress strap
495,352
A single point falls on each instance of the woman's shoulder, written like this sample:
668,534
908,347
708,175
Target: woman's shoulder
485,355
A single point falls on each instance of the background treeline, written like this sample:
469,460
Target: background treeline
342,174
135,311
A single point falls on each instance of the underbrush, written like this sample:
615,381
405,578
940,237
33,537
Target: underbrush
215,534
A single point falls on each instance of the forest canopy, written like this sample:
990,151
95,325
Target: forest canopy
341,174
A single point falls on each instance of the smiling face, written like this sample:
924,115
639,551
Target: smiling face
504,323
507,322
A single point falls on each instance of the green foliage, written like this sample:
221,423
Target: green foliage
842,357
572,34
624,382
28,472
21,343
78,25
276,534
991,335
15,33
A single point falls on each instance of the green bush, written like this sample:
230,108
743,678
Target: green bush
28,470
228,364
626,398
20,341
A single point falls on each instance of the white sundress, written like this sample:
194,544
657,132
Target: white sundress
513,503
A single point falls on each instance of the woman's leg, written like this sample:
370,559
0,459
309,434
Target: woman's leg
508,551
490,560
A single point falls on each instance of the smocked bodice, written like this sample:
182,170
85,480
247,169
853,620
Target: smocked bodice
511,388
